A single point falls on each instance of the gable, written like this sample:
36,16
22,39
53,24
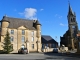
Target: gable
22,27
47,39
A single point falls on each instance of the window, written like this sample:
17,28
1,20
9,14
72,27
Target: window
54,45
23,46
12,38
23,39
40,32
23,32
49,45
73,19
32,33
12,31
32,39
11,47
43,46
32,46
46,45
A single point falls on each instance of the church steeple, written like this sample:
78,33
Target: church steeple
70,12
72,23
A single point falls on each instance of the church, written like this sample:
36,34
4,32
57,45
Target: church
69,38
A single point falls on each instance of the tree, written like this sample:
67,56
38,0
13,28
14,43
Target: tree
7,44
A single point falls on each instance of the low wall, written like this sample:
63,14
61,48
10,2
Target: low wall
47,50
64,49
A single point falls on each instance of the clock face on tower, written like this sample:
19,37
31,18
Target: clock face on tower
73,27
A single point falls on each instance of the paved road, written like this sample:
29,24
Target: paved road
36,56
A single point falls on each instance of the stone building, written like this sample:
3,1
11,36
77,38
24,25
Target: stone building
69,39
48,43
23,33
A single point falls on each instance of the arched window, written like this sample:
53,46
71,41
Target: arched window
73,19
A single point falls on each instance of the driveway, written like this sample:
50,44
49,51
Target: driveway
36,56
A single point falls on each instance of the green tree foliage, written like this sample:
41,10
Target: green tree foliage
7,43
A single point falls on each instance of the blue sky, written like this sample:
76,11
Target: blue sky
52,14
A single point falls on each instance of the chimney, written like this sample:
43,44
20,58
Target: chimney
34,21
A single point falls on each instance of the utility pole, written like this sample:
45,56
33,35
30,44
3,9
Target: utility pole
56,41
56,38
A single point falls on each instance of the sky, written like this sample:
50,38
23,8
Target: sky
52,14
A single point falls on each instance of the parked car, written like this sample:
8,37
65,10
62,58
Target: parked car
23,51
55,50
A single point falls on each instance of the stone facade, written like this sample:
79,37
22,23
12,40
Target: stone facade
69,39
31,38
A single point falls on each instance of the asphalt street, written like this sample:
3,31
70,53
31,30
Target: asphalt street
37,56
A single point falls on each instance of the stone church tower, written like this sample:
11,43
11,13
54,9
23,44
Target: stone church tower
72,25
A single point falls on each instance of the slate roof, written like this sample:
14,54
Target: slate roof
17,22
47,39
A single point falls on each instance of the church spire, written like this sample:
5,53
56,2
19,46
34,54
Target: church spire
70,12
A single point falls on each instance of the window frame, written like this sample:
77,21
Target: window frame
32,39
23,38
32,33
11,38
23,32
12,47
32,46
12,31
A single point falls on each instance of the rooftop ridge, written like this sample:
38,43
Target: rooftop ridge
19,18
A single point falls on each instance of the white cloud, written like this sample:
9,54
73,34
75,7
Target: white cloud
41,9
29,13
57,15
61,24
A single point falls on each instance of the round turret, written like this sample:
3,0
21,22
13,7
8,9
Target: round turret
4,25
4,22
38,25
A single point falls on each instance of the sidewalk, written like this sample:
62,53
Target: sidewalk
72,55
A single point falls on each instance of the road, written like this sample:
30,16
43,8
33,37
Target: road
37,56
